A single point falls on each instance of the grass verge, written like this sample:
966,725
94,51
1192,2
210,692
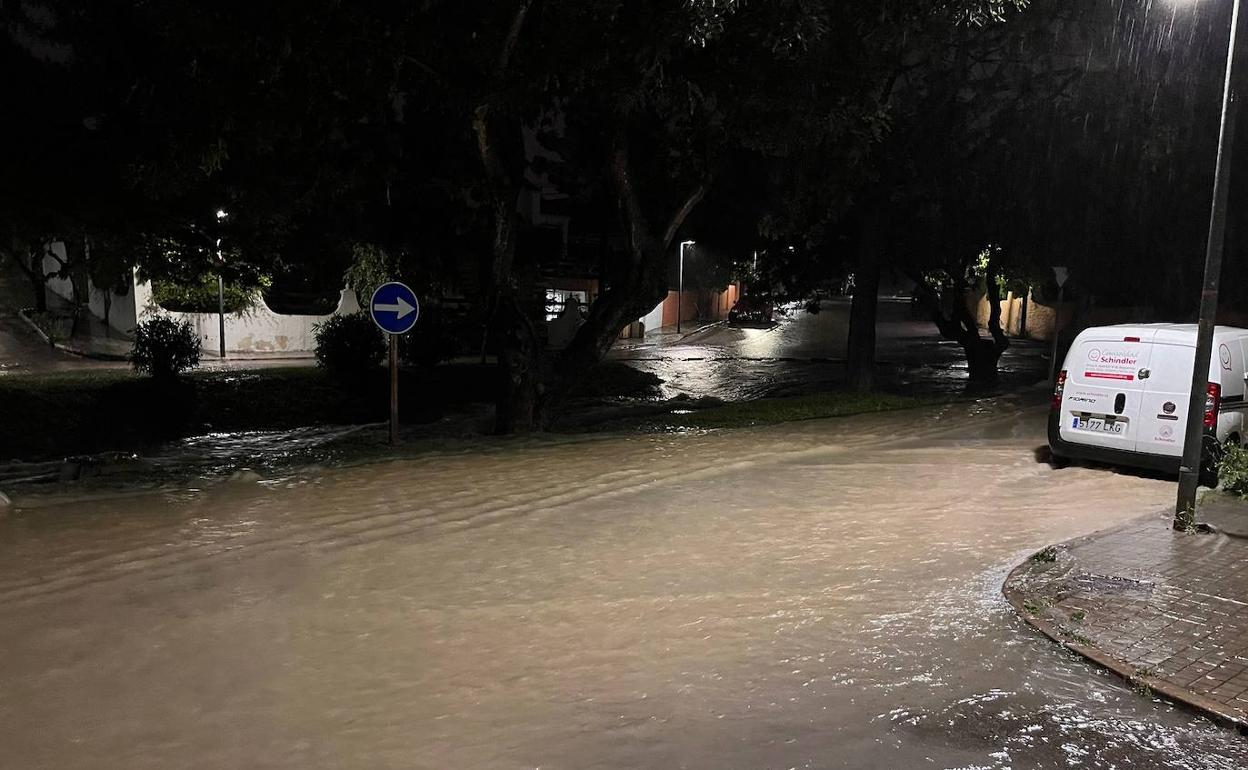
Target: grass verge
49,416
58,415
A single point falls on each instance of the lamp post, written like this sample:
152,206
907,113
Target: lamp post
1060,274
221,215
680,285
1194,435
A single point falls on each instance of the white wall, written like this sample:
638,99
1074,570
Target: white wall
654,319
122,308
258,330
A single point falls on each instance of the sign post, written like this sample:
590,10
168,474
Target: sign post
394,308
394,389
1060,274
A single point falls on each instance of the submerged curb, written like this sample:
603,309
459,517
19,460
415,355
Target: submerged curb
1015,594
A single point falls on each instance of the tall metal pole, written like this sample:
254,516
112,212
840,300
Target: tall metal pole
393,388
680,288
220,301
1193,439
1022,321
1057,321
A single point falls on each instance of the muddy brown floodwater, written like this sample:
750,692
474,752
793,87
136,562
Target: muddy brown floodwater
822,595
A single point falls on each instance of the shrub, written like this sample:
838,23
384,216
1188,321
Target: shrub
164,348
201,296
1233,470
349,345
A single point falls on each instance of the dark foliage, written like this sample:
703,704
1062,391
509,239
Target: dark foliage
164,348
349,345
201,296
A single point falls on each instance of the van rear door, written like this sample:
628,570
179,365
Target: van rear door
1104,393
1163,414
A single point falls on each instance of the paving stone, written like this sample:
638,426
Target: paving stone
1172,604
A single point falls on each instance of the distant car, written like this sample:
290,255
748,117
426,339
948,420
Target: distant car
751,311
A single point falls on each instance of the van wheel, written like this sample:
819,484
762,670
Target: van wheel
1210,459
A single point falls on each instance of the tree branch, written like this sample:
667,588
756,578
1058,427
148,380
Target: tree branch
682,213
512,39
495,173
630,206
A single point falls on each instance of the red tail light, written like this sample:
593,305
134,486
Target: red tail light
1057,390
1213,400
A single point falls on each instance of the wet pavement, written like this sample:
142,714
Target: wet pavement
804,353
825,594
22,350
1166,609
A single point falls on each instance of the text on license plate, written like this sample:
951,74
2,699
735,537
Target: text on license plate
1098,425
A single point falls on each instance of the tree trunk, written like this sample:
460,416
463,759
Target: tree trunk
107,296
38,284
521,348
982,357
76,272
641,286
521,360
860,356
535,385
960,325
30,261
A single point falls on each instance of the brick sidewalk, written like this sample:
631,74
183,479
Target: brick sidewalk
1167,610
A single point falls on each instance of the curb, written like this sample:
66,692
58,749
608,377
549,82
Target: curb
1192,700
72,350
682,336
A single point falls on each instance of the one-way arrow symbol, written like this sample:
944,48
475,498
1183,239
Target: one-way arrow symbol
401,307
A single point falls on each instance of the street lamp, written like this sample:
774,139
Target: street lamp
680,285
1193,438
221,215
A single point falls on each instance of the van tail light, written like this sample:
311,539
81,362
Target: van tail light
1057,390
1213,400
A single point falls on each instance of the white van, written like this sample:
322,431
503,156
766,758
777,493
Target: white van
1122,394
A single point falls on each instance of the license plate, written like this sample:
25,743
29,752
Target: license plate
1099,425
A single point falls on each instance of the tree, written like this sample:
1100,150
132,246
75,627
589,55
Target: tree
861,91
659,98
1086,139
326,128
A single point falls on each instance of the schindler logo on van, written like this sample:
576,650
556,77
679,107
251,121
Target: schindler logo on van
1112,365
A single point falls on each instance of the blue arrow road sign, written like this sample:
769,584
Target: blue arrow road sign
394,308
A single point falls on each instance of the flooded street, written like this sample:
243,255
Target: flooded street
822,594
805,353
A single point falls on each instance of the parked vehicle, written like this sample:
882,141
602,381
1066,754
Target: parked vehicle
751,311
1122,396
